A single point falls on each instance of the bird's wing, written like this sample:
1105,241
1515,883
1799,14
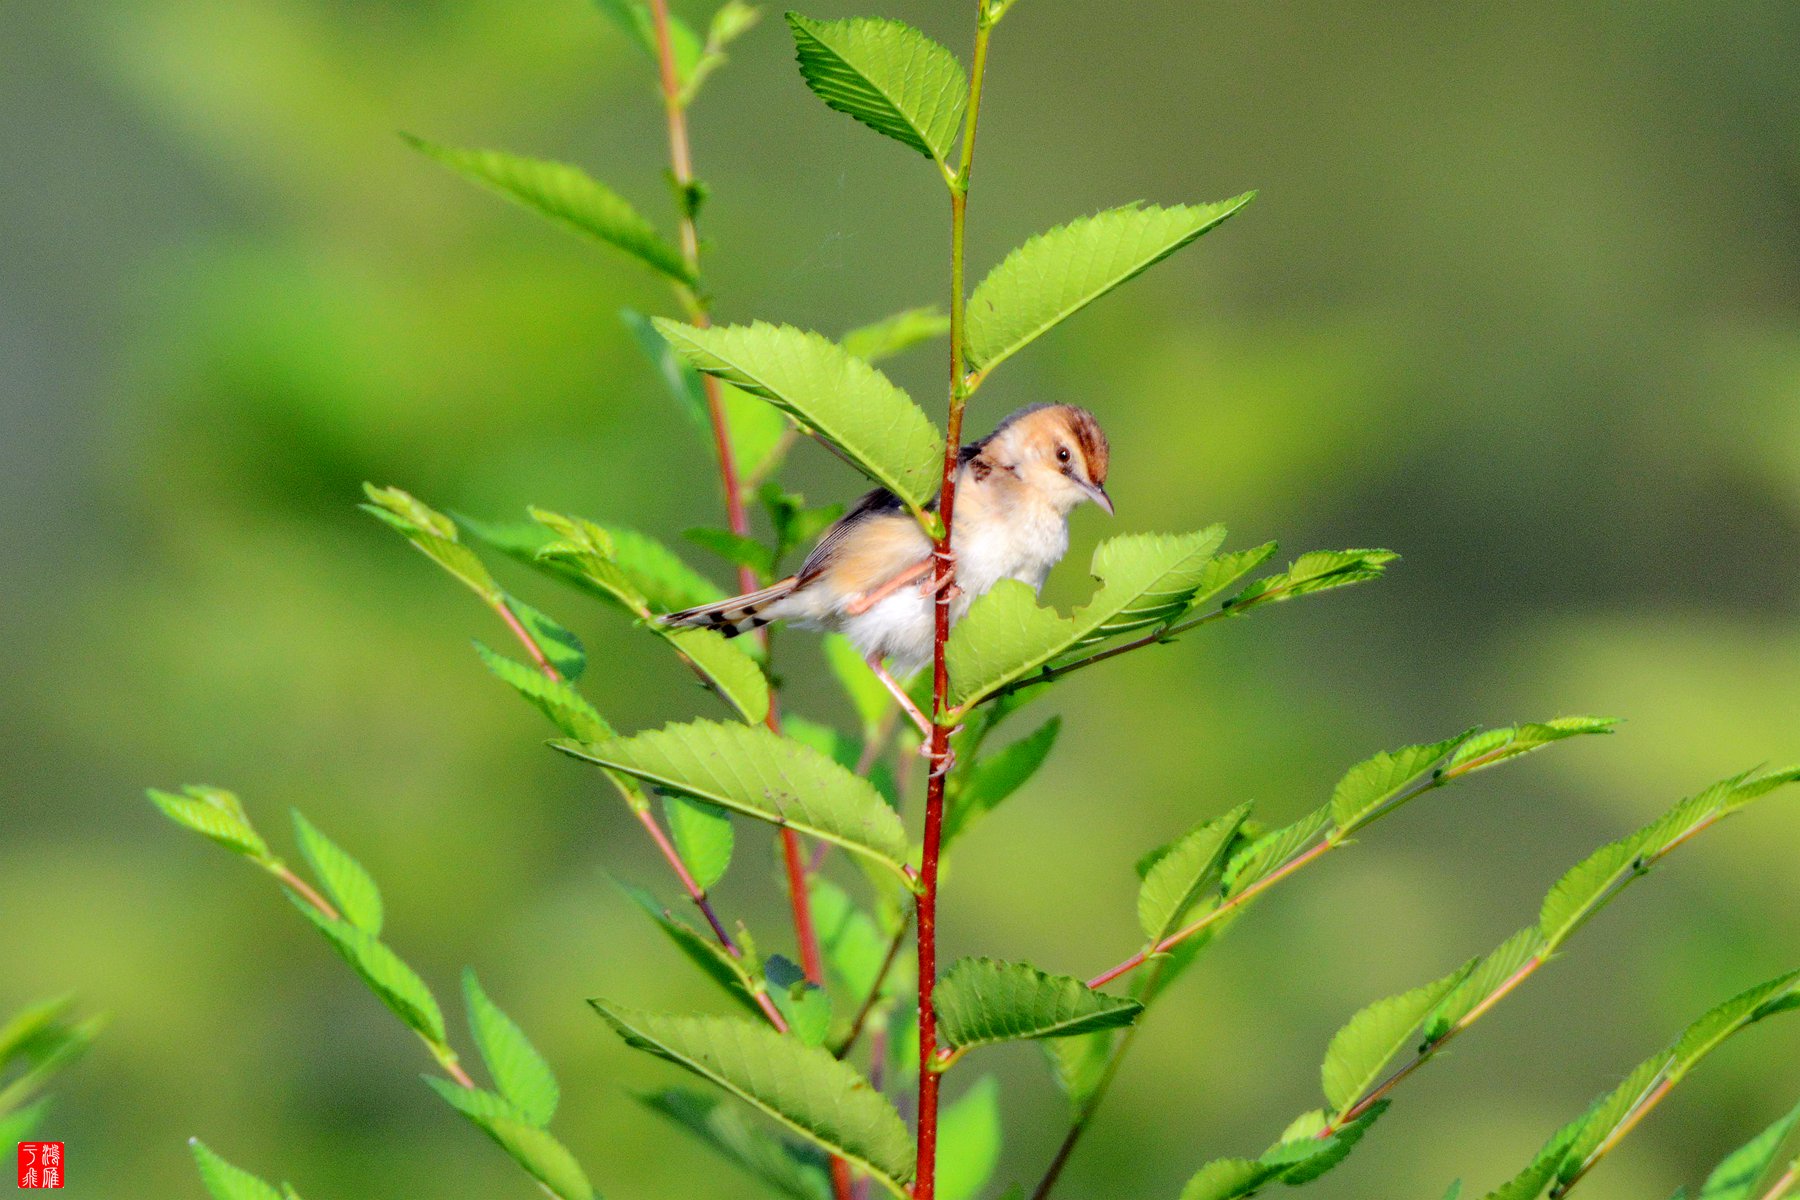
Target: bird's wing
873,542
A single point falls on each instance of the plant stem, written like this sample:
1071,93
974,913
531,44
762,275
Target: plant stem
681,165
1785,1183
925,1171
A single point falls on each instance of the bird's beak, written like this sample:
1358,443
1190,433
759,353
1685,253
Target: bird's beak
1098,495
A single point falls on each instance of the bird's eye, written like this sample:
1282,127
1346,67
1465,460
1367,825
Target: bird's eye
1062,454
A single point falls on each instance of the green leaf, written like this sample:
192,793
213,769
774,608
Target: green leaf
546,1159
1496,746
1736,1177
1362,1049
887,75
750,770
803,1087
969,1141
791,1169
1056,274
1310,1157
1229,1179
806,1006
633,17
982,787
1079,1064
555,698
1591,884
214,813
1490,974
1315,571
1146,579
715,962
350,887
434,535
703,836
982,1001
868,698
566,195
226,1182
1365,788
590,554
1530,1183
397,985
851,944
1269,853
628,568
562,648
1189,867
1226,569
839,398
517,1069
892,335
734,548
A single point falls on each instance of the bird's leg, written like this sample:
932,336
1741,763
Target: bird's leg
899,694
947,585
865,602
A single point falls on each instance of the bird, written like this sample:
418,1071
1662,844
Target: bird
1015,490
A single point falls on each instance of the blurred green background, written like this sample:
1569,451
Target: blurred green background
1518,299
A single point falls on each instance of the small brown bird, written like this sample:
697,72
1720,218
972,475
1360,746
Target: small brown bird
869,577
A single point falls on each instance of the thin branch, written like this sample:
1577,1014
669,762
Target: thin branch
874,996
930,1072
1786,1183
681,165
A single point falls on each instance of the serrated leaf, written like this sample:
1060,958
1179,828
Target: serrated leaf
394,983
803,1087
568,196
543,1157
629,569
1188,868
981,788
981,1001
1226,569
1491,972
805,1005
888,76
434,535
892,335
1145,580
714,961
226,1182
562,648
702,834
1229,1179
1593,882
1058,273
1736,1177
792,1169
750,770
839,398
1315,571
517,1069
1530,1183
969,1138
730,671
350,887
214,813
1362,1049
555,698
1370,784
1496,746
1313,1157
1270,852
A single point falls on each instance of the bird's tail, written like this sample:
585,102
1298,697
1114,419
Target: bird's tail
740,614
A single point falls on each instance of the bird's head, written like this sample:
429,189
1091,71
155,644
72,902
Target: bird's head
1058,451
